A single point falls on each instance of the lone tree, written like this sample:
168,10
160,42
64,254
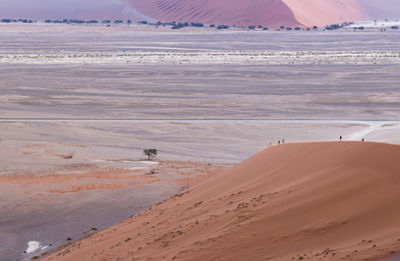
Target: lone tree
150,153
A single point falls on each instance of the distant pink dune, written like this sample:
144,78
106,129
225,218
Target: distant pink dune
271,13
230,12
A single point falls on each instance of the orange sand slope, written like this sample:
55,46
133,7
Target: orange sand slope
336,200
271,13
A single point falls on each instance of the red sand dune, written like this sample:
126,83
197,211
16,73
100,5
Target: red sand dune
271,13
231,12
336,200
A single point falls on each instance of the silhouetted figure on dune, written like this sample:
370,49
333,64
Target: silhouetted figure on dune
341,138
362,139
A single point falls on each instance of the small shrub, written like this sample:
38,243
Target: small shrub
152,172
220,27
150,153
76,21
333,27
197,24
70,155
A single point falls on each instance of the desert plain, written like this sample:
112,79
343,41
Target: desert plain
78,104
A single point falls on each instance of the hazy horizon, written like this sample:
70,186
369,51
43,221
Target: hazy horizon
381,9
59,9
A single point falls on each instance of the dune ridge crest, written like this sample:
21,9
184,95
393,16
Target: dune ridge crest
336,200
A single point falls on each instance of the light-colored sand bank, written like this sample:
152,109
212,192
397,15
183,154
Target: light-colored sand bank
296,201
202,58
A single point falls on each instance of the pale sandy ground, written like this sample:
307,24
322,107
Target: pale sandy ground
304,201
195,114
377,23
335,91
35,145
61,39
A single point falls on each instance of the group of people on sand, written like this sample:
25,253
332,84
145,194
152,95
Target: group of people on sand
341,138
279,142
283,141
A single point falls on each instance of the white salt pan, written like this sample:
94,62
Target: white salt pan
32,246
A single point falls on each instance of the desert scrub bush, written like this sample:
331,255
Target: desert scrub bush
150,153
69,155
